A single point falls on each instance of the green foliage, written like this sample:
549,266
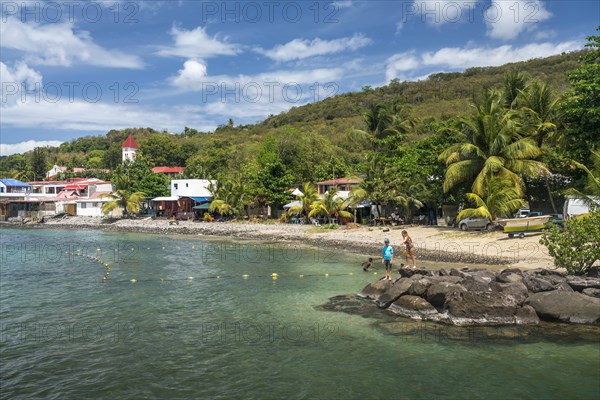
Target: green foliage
154,185
129,201
577,246
39,164
500,199
581,106
161,150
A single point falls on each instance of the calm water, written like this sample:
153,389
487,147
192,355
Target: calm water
221,335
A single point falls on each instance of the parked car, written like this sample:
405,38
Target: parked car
475,224
522,213
557,219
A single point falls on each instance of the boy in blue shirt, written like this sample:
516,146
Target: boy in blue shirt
388,256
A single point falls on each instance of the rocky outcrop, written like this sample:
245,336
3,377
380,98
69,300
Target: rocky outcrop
566,307
466,297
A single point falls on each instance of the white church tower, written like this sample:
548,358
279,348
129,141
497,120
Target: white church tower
130,146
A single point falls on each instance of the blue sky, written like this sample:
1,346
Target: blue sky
75,68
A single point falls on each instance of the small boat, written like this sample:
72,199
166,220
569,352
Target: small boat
520,226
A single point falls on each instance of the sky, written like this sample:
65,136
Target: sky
77,68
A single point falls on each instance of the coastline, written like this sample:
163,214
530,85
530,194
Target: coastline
433,243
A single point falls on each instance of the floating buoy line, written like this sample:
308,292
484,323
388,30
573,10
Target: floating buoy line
274,276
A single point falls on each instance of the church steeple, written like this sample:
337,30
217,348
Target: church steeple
129,147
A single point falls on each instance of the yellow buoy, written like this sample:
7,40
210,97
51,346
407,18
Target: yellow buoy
351,273
326,275
274,275
133,280
190,278
301,276
218,277
245,276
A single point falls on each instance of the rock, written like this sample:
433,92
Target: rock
414,307
563,286
419,287
553,277
409,272
582,282
594,272
485,275
516,292
592,292
375,289
510,275
443,272
481,308
536,284
440,293
476,283
399,288
560,305
526,315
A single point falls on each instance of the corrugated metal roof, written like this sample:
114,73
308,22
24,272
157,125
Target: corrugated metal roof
14,183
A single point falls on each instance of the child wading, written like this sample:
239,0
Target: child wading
388,256
410,249
368,264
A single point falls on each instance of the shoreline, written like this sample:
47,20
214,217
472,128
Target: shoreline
433,243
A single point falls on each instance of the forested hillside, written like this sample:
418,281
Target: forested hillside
399,130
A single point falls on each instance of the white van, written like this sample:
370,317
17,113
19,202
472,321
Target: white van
577,206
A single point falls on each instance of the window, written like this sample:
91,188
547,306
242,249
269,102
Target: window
186,185
175,186
83,205
1,190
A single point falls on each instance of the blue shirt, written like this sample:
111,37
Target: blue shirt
387,251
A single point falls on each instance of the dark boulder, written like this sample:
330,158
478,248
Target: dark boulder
510,275
440,293
399,288
515,292
526,315
419,287
563,286
375,289
414,307
553,277
582,282
537,284
409,272
484,275
592,292
560,305
481,308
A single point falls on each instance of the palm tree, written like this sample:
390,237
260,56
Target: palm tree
500,199
514,82
130,202
357,195
328,205
493,146
309,195
407,199
592,187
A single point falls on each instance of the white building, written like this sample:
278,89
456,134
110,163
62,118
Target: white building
194,188
129,148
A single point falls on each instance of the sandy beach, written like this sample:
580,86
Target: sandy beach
433,243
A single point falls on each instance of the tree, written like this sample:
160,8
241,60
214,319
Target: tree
581,106
575,247
271,179
592,187
130,202
493,145
330,204
154,185
514,83
39,165
309,195
499,199
161,150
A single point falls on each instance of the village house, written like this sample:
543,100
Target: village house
186,196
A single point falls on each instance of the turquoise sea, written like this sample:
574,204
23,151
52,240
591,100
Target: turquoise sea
205,319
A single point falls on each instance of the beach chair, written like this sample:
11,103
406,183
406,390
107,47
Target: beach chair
315,222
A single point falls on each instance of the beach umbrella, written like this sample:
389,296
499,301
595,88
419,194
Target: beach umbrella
297,192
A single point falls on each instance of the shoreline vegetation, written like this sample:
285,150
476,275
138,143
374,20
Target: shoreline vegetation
491,250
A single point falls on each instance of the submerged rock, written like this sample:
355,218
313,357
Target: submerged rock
560,305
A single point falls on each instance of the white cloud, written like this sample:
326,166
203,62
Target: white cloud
494,56
298,49
410,66
193,72
22,147
507,19
342,4
58,44
13,80
400,63
196,44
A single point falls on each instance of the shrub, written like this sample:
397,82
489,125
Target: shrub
577,247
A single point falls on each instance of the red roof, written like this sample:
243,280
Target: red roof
130,142
167,170
339,181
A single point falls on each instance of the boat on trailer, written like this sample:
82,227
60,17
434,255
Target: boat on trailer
521,226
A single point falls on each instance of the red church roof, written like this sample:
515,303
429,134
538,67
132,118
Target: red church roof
130,142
